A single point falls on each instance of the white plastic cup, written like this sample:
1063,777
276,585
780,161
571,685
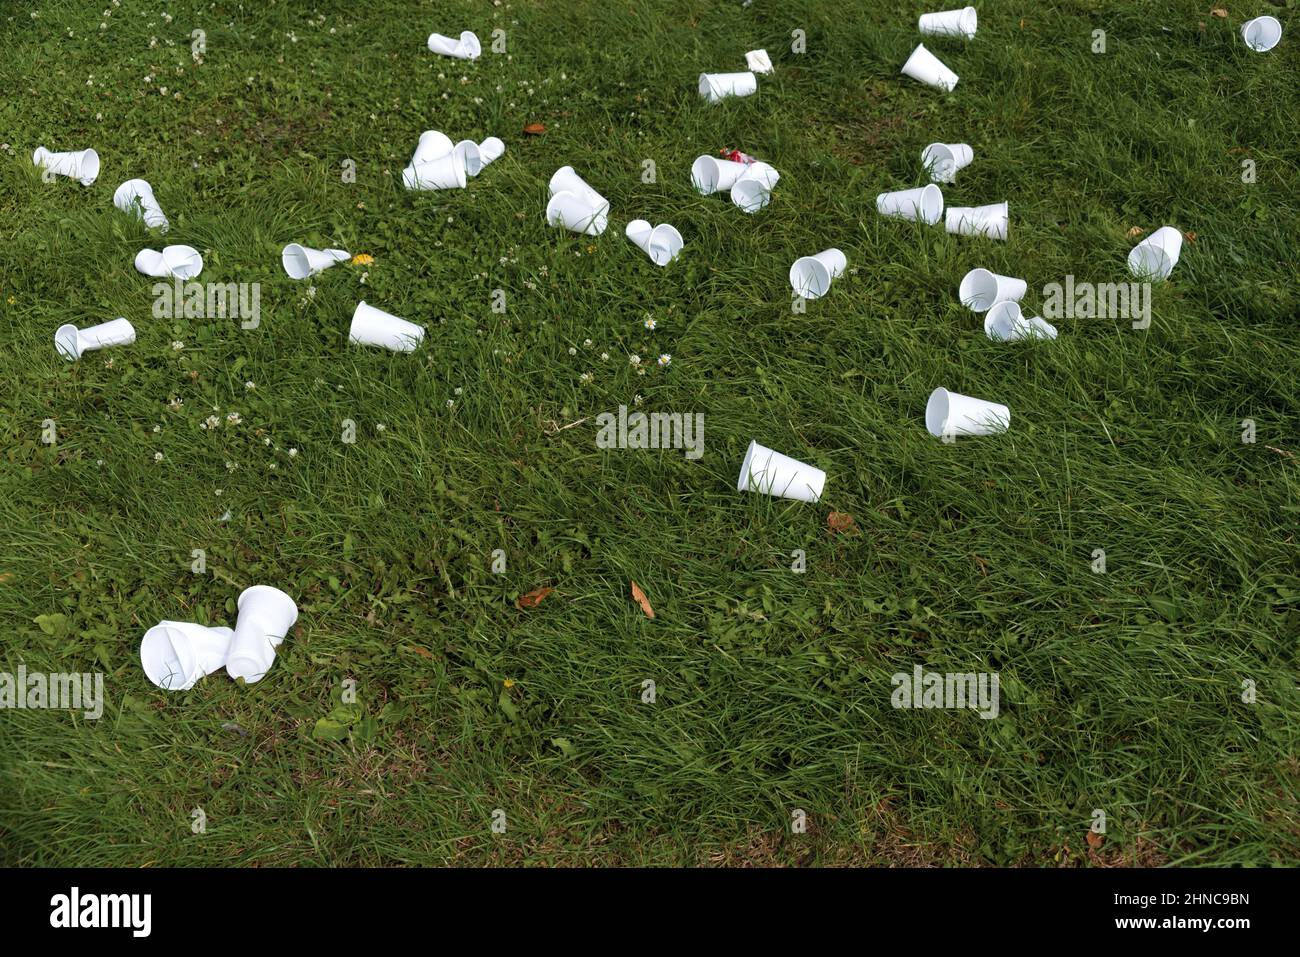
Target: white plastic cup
758,61
1006,323
174,262
1156,256
136,196
923,204
374,327
661,243
712,175
811,276
949,23
924,67
990,221
716,87
566,179
432,145
478,155
466,48
83,165
945,160
300,262
753,191
491,150
445,172
265,616
980,289
948,413
176,654
1262,33
771,473
576,213
71,342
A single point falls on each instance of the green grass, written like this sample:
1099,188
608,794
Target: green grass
1120,692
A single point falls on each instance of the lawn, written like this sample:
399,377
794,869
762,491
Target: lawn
1160,692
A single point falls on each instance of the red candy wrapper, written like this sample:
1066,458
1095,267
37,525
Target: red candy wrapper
736,156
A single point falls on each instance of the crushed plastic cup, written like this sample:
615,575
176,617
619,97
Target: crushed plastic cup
71,342
265,615
174,262
466,47
753,190
661,243
945,160
177,654
302,262
716,87
1005,322
990,221
136,196
758,61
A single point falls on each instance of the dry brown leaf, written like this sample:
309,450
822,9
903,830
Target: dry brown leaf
1135,231
1096,840
639,596
1218,12
535,129
841,522
6,578
532,599
1190,236
422,652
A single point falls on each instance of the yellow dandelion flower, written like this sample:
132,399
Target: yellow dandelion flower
362,259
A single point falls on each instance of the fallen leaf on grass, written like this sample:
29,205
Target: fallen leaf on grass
1190,236
841,522
532,599
642,600
1095,840
1135,231
1218,12
534,129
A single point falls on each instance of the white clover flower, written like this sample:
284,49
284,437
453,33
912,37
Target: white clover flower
250,385
157,456
572,351
586,378
293,453
233,418
380,427
211,422
634,360
177,345
604,356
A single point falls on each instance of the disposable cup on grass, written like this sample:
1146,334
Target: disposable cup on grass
432,145
924,67
478,155
136,196
576,213
176,654
753,191
374,327
445,172
661,243
945,160
174,262
990,221
952,414
950,23
1005,322
1155,257
265,615
771,473
301,262
712,175
71,342
491,150
811,276
716,87
980,289
466,47
82,165
923,204
758,61
1262,33
566,179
